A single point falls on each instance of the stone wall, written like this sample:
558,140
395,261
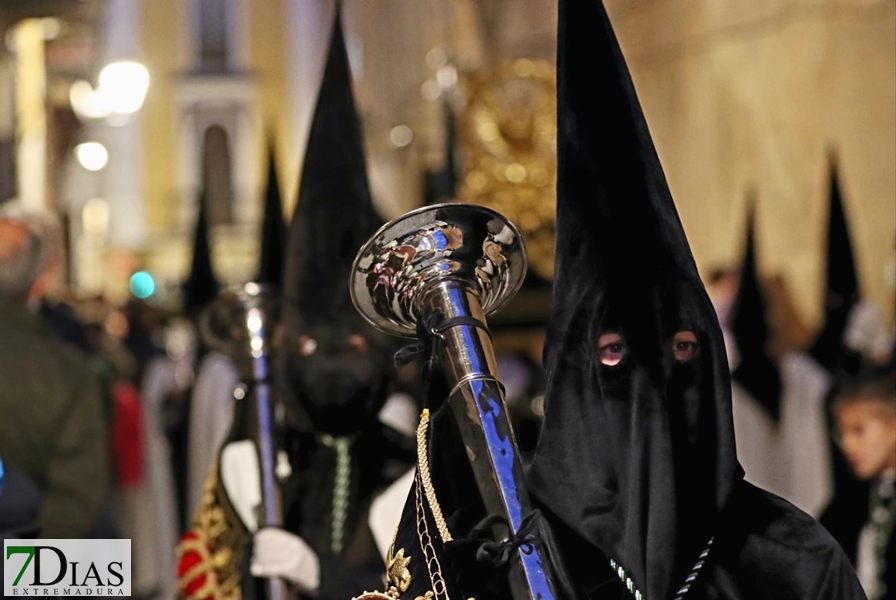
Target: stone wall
754,95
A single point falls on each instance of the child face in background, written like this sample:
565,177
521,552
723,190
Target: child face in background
867,435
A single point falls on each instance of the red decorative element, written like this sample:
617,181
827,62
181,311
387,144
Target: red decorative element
194,568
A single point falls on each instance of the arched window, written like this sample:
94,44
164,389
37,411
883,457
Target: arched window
217,176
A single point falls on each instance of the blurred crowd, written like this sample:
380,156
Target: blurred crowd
79,437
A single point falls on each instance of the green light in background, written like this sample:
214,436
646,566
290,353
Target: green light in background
142,284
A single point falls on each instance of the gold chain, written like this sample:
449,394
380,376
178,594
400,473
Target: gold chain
429,552
424,488
423,462
397,573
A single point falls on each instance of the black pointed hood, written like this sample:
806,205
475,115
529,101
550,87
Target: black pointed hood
273,230
636,453
337,366
756,371
841,283
334,215
201,286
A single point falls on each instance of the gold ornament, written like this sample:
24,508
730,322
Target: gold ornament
392,594
508,134
398,577
397,572
218,538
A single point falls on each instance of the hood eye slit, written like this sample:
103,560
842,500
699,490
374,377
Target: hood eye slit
611,349
684,346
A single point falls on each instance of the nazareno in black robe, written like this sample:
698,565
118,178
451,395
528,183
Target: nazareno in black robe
636,459
307,497
334,370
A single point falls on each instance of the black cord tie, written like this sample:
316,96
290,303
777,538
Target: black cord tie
429,333
499,553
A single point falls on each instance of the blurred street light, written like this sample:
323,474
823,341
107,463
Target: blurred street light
123,86
447,76
142,285
51,27
87,103
400,136
122,89
93,156
430,90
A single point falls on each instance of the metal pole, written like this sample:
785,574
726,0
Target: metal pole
477,402
270,493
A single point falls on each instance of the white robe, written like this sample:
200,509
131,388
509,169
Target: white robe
150,511
805,437
211,416
758,442
791,458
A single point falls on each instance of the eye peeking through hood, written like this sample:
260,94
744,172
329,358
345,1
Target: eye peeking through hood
636,454
335,367
636,409
339,375
612,349
638,400
666,350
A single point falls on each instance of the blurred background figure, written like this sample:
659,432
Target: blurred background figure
340,430
783,373
863,519
755,378
159,504
53,428
722,286
217,378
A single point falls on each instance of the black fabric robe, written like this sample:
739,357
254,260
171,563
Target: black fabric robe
376,452
458,497
764,548
636,459
336,371
308,501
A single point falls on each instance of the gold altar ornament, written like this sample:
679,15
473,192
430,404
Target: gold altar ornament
507,129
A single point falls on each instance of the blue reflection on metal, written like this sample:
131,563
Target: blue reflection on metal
266,428
441,240
502,454
1,476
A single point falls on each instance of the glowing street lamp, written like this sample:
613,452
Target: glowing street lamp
93,156
122,89
87,103
123,86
